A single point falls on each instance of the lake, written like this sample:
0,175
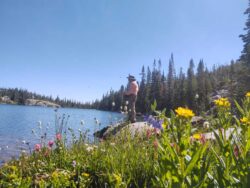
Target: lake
20,125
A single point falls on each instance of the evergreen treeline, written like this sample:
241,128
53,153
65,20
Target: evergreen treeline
19,96
192,89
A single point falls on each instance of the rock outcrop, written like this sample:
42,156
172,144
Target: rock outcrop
34,102
6,100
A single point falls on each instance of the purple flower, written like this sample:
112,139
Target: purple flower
158,124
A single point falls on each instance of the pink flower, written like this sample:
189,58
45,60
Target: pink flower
155,144
203,139
59,136
50,144
38,147
236,151
148,133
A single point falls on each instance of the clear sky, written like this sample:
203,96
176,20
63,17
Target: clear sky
79,49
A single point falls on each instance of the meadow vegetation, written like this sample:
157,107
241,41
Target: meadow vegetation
171,154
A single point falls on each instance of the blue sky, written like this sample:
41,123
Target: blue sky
79,49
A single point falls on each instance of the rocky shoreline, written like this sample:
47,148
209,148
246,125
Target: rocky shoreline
30,102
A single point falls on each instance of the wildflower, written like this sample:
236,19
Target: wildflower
39,123
248,94
197,136
236,151
149,133
155,144
245,120
59,136
117,177
24,142
38,147
206,124
103,150
50,144
74,164
125,108
82,122
85,174
184,112
112,144
222,102
126,102
89,149
203,139
113,103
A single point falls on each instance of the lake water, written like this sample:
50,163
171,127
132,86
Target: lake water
17,123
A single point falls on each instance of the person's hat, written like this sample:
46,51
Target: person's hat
130,77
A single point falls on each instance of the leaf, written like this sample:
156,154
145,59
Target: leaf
194,160
239,107
218,138
154,106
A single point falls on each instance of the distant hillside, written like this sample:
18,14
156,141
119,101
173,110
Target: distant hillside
24,97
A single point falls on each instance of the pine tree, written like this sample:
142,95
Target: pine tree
170,83
191,85
245,56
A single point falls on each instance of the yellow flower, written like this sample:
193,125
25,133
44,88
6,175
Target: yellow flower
245,120
248,94
117,178
85,174
197,136
184,112
164,125
55,175
222,102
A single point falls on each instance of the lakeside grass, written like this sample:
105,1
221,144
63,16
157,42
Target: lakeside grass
171,155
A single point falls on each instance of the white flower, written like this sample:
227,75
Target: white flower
79,130
125,108
121,107
206,125
23,151
82,122
112,144
7,147
126,102
24,142
39,123
113,103
103,150
89,149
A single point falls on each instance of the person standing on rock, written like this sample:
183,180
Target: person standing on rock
131,94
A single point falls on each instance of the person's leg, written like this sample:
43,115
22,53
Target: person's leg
133,112
130,108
